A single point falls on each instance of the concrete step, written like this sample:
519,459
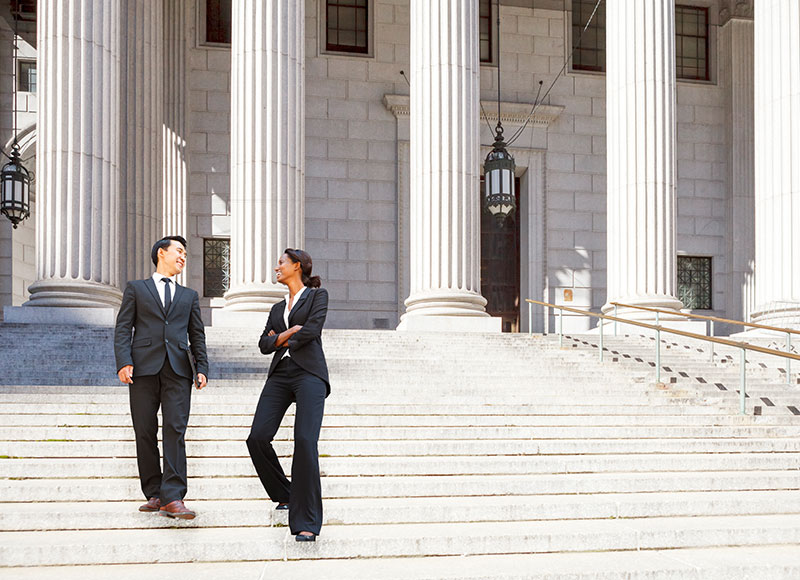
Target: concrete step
665,406
410,540
64,447
716,435
106,487
362,511
236,466
777,562
729,424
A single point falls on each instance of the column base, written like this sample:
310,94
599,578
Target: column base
662,302
784,314
73,294
448,311
254,298
248,306
59,315
445,303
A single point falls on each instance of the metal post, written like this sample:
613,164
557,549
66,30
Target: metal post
788,360
711,333
560,328
743,381
546,321
530,318
601,339
615,322
658,351
658,356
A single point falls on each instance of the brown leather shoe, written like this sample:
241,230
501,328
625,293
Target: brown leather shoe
176,509
152,505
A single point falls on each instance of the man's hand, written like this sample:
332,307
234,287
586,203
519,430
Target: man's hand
125,374
202,381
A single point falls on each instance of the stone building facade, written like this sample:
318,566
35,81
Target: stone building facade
248,126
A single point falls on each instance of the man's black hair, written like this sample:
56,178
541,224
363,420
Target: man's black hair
164,243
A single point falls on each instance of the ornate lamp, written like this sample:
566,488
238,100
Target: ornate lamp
15,187
498,169
15,179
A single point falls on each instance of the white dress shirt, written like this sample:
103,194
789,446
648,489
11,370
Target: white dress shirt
161,286
286,312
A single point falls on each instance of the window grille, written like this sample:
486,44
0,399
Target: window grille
694,282
216,267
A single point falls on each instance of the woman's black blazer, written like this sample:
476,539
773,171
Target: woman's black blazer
305,346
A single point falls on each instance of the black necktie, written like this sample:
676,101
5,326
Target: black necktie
167,294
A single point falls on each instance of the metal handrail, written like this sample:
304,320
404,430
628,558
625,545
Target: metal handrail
712,319
742,346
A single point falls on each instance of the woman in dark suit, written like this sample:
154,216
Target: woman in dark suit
298,373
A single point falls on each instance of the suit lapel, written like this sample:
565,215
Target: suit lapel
299,303
176,298
151,286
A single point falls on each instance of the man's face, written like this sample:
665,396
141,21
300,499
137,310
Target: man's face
172,258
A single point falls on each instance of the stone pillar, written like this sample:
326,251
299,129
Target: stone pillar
445,160
736,77
640,91
267,150
174,173
77,155
142,96
777,162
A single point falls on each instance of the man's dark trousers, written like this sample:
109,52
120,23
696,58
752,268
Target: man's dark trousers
289,383
174,394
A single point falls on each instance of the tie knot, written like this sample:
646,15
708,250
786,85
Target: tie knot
166,280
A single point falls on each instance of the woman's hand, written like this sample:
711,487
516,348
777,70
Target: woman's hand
284,336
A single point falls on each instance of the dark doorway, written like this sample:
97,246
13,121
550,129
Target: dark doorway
500,266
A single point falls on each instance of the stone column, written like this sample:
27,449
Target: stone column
77,154
640,91
777,162
445,256
174,180
267,148
736,77
142,96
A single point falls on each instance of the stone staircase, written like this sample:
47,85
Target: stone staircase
443,456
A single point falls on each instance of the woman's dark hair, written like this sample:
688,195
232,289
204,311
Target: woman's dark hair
304,259
164,243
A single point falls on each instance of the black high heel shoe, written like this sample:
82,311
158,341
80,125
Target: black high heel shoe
282,506
303,538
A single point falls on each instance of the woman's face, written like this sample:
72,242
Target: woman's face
286,269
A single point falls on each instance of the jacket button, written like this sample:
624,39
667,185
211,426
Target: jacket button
167,341
166,322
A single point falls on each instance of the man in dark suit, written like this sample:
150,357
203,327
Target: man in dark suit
158,329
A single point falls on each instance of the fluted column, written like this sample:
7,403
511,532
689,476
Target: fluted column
640,91
174,171
736,77
142,97
267,147
777,162
445,147
77,154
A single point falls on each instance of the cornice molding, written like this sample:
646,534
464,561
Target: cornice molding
510,113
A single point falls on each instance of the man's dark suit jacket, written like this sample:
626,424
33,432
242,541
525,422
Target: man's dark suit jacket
158,334
305,346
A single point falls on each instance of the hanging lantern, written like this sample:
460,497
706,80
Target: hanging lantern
499,199
15,187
